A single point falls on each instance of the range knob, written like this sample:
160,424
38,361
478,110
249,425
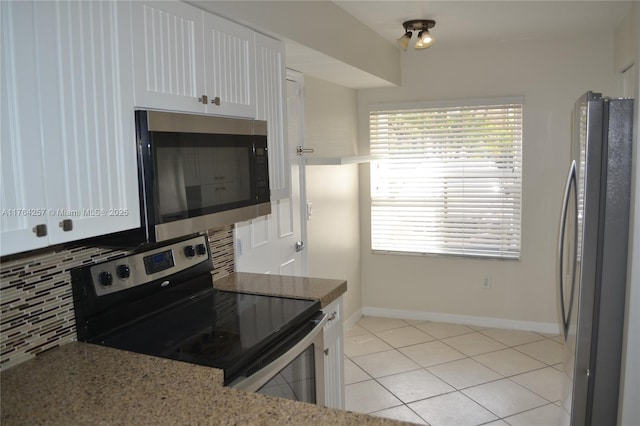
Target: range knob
123,272
189,251
105,279
201,249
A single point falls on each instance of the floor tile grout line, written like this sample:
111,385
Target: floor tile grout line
514,414
533,341
386,329
526,411
423,332
466,357
515,348
540,336
455,389
406,404
546,365
531,390
498,417
483,353
550,337
456,360
516,374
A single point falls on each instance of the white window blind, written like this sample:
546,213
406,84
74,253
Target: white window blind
448,180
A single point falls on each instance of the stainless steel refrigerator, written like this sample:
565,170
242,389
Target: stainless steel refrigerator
592,257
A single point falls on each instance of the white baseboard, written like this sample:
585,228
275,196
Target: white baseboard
352,320
491,322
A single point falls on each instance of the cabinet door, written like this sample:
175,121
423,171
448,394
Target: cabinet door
167,55
68,151
88,121
229,67
334,356
271,102
22,193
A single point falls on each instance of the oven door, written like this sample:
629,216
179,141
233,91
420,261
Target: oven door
296,374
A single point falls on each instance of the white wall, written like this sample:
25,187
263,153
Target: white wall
551,74
629,409
330,122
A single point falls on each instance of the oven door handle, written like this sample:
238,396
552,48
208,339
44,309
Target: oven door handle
262,376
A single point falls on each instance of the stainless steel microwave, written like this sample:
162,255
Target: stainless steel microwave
200,172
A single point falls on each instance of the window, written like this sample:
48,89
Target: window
448,180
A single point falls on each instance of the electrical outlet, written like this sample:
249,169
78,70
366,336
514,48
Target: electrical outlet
486,283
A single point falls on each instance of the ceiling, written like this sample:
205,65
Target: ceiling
491,21
461,22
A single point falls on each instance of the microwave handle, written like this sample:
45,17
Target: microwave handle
262,376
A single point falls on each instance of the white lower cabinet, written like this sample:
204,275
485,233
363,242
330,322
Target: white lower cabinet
334,356
69,168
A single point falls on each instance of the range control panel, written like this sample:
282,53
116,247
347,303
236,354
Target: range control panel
141,268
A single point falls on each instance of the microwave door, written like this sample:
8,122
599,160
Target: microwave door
171,184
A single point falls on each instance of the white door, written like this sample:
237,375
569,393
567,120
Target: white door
271,244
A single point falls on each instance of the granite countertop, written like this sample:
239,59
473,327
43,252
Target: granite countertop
324,290
82,383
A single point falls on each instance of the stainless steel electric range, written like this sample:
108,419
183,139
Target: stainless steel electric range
161,302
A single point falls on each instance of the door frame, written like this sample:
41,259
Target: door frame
298,79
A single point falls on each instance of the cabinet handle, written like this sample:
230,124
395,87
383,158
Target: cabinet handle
66,225
333,316
40,230
326,352
203,99
216,100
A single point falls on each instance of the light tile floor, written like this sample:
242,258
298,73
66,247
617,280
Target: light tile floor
450,374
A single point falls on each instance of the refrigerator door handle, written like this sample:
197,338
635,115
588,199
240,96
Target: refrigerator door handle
571,179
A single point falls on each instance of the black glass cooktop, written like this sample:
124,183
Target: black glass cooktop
219,329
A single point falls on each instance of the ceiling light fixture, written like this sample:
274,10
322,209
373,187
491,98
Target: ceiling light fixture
425,39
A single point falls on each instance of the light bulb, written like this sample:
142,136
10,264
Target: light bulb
424,40
403,41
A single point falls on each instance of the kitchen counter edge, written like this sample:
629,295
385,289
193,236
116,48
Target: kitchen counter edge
82,383
322,289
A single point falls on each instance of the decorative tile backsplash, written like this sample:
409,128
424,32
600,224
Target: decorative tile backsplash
36,302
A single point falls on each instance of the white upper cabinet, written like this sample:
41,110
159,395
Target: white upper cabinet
271,102
192,61
168,62
69,168
23,185
229,68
